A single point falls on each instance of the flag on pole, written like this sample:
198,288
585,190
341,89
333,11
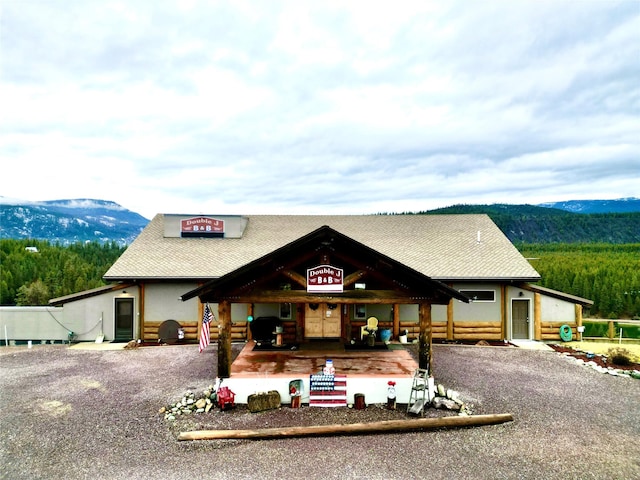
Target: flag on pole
205,331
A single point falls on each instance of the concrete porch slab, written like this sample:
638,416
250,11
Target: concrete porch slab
367,371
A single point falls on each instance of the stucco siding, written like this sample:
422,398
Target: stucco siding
162,302
556,310
478,311
32,323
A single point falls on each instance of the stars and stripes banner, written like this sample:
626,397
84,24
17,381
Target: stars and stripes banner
205,331
328,391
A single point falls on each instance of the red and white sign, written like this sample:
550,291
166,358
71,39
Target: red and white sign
325,278
201,226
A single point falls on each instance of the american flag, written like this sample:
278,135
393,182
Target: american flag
205,331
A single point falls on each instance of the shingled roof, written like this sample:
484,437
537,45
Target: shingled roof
443,247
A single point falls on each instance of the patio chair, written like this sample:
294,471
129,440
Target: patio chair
370,327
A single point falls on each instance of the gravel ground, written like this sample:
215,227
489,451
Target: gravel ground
67,413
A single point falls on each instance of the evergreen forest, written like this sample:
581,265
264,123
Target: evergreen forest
34,271
608,274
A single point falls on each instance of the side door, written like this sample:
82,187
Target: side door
520,319
124,319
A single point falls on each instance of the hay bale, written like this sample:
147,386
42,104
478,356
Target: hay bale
259,402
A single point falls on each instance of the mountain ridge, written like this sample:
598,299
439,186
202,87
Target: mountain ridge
69,221
620,205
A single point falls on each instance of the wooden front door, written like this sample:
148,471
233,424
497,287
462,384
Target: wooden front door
520,319
322,320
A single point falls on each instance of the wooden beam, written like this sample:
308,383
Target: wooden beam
141,307
578,309
249,314
296,277
349,297
224,340
396,320
425,338
353,278
384,426
299,322
503,311
450,320
200,315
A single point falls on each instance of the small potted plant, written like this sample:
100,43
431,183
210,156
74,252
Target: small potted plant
403,336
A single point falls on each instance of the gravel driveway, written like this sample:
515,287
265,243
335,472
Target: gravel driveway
67,413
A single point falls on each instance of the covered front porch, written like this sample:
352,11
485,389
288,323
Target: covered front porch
368,371
341,274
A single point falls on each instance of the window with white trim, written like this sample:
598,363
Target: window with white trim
480,295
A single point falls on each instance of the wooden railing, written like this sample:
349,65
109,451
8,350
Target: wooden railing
612,331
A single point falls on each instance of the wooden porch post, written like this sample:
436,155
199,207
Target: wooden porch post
537,317
503,312
224,339
345,321
396,320
300,312
578,309
248,336
450,320
424,341
141,308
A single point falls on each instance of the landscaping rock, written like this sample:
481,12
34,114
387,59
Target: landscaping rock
445,403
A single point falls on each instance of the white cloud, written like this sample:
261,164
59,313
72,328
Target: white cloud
303,107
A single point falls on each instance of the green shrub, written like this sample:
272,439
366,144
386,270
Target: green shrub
619,356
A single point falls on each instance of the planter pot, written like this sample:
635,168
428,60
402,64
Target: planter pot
385,335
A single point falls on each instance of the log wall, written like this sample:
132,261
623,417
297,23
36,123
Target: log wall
477,331
150,332
551,330
461,330
191,334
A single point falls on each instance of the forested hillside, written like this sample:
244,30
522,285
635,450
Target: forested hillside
605,273
531,224
595,256
608,274
33,271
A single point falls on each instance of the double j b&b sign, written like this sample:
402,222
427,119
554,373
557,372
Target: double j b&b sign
324,278
202,227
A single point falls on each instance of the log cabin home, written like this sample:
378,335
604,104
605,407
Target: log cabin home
431,277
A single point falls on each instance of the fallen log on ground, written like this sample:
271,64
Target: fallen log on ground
350,428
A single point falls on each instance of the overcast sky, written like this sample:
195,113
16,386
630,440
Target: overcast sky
319,107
